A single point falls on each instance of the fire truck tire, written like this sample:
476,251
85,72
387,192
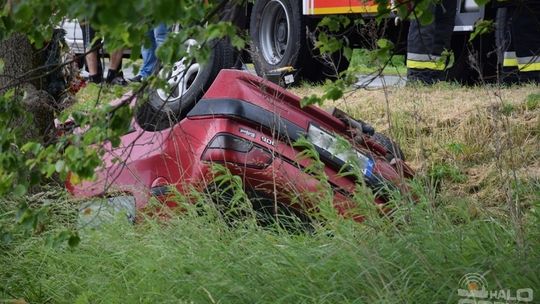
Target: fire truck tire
278,36
164,108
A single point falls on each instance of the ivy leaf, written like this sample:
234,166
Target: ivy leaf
385,44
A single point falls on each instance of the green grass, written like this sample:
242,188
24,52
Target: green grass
362,63
419,257
94,95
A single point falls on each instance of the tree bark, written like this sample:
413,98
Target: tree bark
21,62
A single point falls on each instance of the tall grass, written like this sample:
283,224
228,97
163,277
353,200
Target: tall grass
417,257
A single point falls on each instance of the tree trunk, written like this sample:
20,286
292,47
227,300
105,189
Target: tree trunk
23,72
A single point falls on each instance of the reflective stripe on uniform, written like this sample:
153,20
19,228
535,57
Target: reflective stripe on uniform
510,59
529,64
422,57
425,61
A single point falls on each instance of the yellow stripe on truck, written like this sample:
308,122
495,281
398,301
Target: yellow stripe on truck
423,65
344,10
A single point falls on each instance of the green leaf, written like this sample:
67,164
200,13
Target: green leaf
32,147
238,42
385,44
347,52
310,100
60,165
448,58
331,23
482,27
333,92
61,237
74,240
19,190
426,17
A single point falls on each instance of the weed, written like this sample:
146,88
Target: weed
532,102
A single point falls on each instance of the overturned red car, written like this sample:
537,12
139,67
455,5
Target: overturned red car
249,125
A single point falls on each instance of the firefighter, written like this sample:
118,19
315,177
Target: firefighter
426,43
526,35
507,60
518,38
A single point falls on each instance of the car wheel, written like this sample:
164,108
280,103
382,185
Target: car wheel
186,82
394,150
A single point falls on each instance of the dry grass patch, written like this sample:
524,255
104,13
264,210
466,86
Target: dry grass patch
477,142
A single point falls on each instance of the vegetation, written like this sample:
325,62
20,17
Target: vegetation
362,62
478,189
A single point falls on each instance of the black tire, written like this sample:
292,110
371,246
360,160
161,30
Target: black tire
163,110
392,148
278,38
278,32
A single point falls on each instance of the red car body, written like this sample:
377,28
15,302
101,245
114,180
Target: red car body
247,124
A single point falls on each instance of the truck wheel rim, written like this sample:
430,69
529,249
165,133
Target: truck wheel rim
274,35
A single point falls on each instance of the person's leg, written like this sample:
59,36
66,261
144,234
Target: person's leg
506,53
526,31
115,75
116,60
156,37
160,34
92,58
148,55
426,43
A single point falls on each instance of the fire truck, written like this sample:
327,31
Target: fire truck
281,33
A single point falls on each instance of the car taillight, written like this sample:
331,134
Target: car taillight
228,148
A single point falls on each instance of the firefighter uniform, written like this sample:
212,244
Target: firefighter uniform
526,35
506,51
426,43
